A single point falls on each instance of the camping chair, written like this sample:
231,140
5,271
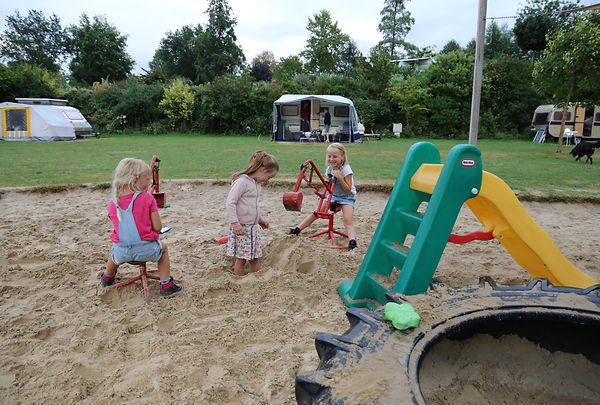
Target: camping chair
568,134
345,131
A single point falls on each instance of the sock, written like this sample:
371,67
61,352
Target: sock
107,277
165,280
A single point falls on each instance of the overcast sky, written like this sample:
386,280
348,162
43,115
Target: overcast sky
277,26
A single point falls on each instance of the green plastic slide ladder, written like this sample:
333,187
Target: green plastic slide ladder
459,180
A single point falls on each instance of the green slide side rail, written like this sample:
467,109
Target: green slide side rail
459,180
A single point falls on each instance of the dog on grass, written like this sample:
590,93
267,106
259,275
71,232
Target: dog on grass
584,149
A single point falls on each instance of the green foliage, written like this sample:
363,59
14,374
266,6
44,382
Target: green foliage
568,68
450,81
324,50
510,97
301,84
395,24
24,80
375,115
287,70
378,72
99,51
350,56
410,97
262,66
217,52
34,40
140,103
499,41
178,103
451,46
251,107
176,53
537,21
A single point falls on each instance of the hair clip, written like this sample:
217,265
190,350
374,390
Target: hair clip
137,176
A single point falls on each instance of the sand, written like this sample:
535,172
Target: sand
224,339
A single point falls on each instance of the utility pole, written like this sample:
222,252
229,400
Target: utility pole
477,72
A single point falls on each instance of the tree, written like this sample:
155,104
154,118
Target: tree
218,53
451,46
450,82
568,69
395,24
511,96
499,41
325,46
536,20
34,39
410,98
99,51
287,69
176,54
24,80
378,71
350,56
263,66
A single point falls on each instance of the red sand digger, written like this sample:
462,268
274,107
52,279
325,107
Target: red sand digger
292,201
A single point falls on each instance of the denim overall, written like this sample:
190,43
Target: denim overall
130,246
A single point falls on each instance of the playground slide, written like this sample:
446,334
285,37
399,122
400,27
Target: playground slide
499,210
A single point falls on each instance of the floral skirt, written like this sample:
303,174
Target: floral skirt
246,246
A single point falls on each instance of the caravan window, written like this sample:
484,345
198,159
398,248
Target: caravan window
16,119
73,115
597,117
341,111
558,115
540,118
289,110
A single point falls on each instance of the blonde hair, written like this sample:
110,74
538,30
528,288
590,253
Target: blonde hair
127,175
340,149
257,160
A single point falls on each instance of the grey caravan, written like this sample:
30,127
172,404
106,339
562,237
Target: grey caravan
297,117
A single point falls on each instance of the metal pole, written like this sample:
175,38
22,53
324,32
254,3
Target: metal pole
477,72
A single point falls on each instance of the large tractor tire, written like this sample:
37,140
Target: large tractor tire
533,344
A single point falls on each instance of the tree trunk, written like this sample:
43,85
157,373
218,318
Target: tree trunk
564,116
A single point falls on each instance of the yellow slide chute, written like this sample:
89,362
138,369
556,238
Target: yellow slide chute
499,210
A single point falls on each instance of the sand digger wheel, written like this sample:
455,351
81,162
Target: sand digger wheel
374,363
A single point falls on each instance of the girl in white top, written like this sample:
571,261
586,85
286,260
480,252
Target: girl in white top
243,208
344,191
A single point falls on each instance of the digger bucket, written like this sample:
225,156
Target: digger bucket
292,201
160,198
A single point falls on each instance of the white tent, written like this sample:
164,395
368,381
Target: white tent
289,124
35,119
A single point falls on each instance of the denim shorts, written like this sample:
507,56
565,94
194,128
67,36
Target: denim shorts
144,251
346,199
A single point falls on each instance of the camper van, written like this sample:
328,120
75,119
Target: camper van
299,117
548,118
41,119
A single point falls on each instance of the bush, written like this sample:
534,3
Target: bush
139,103
178,104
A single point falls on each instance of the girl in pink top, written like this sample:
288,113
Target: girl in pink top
136,224
244,212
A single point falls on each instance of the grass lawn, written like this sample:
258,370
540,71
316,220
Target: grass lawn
533,169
